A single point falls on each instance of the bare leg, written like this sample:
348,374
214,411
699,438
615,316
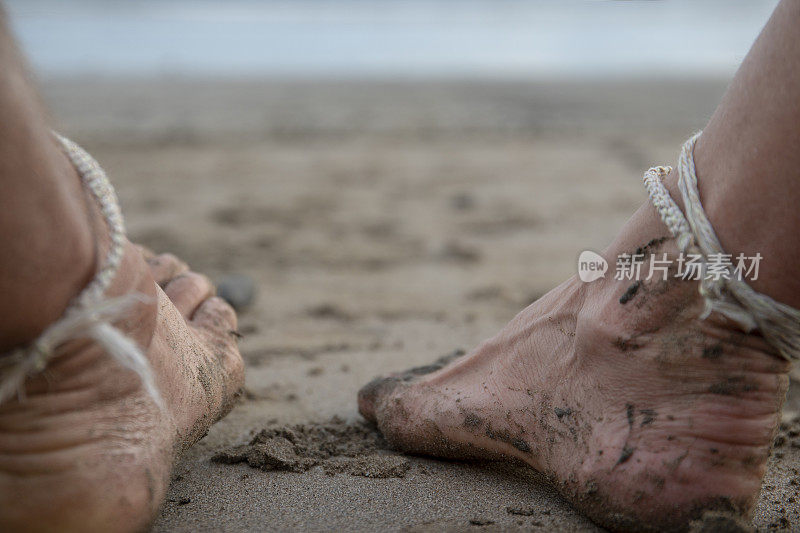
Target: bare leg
643,415
748,160
45,230
87,449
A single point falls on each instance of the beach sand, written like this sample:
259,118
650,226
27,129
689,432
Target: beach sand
384,225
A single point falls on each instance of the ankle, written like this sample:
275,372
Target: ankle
752,213
51,256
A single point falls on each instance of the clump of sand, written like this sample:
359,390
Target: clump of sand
338,447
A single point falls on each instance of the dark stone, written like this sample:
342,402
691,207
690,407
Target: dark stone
239,290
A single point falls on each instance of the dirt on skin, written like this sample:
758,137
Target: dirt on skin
336,446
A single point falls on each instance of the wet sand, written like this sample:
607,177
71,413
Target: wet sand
384,225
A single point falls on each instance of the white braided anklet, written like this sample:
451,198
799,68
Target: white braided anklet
89,315
728,295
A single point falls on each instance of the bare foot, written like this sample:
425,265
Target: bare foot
87,449
642,415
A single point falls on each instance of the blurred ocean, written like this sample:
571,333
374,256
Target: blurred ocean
387,38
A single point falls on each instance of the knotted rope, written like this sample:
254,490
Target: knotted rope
90,314
728,295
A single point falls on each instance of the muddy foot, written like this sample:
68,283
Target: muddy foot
88,450
642,415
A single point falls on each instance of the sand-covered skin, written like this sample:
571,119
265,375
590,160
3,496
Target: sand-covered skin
385,226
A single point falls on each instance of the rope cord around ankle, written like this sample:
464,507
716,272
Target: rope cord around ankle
96,182
728,295
90,314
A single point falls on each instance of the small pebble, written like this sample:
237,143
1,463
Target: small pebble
462,201
239,290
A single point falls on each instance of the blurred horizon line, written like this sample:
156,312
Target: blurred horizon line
387,39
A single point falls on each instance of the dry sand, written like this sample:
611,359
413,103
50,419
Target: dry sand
385,225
